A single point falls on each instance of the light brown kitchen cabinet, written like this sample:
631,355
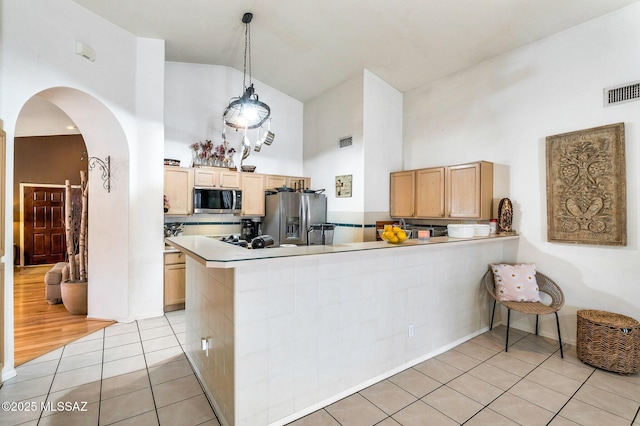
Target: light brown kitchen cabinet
430,192
402,194
274,181
470,190
253,194
212,178
178,188
297,182
174,281
462,191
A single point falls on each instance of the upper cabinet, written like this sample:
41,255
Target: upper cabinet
252,194
212,178
463,191
274,181
402,187
178,188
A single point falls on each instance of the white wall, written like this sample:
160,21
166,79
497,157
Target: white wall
117,102
502,110
195,98
368,109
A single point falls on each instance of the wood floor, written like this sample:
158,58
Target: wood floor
39,327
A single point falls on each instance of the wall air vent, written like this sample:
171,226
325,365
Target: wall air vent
345,142
620,94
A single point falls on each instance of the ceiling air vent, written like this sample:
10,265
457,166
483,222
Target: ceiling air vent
620,94
345,142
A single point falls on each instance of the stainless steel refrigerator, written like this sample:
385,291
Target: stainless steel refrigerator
289,216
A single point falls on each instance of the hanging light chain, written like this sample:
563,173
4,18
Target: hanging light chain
247,50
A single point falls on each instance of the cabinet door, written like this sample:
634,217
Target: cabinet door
178,187
252,194
296,182
430,193
274,181
205,177
401,197
229,179
470,190
174,284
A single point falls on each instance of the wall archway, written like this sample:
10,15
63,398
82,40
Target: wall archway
108,296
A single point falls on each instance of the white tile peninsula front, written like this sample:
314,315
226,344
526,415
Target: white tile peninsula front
291,334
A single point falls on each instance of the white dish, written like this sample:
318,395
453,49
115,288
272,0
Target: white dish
481,230
460,230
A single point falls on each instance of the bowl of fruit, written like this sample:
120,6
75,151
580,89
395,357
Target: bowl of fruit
394,234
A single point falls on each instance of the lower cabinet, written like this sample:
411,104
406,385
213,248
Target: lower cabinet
174,281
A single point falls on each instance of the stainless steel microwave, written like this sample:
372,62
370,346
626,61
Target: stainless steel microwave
216,200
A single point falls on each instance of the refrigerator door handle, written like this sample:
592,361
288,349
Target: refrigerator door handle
304,219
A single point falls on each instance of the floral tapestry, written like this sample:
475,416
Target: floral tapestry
586,187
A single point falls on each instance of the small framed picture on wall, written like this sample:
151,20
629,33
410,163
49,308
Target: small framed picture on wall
343,186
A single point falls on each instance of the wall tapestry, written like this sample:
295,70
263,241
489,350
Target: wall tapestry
586,187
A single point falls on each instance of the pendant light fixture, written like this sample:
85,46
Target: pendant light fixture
246,111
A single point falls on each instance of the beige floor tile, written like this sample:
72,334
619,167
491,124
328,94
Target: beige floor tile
178,327
476,350
79,361
521,411
510,364
588,415
458,360
438,370
121,328
421,414
561,421
49,356
73,418
125,383
124,351
495,376
317,418
527,355
388,396
170,371
489,342
489,417
568,369
121,339
88,394
539,344
164,356
192,411
616,383
160,343
148,323
123,366
25,390
34,371
476,389
555,381
539,395
615,404
176,390
124,406
150,418
388,422
415,382
93,336
355,410
82,347
452,404
154,333
13,416
77,377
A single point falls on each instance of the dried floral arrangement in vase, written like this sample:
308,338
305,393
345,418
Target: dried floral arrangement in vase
204,154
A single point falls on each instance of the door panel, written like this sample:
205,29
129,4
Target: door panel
44,233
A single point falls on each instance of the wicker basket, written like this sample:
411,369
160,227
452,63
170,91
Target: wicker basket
608,341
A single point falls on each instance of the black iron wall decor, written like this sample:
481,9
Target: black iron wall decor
586,187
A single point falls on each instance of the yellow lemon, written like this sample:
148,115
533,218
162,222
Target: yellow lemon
393,239
401,235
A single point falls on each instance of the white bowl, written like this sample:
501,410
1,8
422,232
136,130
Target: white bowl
481,230
456,230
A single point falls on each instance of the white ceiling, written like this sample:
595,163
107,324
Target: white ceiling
303,47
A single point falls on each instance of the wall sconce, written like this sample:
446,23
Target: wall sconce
104,165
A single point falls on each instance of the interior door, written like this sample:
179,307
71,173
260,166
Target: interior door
44,233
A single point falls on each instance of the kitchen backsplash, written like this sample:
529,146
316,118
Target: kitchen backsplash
207,224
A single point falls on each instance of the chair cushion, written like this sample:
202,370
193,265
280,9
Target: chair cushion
516,283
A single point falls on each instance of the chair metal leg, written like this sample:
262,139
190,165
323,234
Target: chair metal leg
506,348
559,337
492,315
536,325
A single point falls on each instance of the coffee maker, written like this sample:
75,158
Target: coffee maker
250,228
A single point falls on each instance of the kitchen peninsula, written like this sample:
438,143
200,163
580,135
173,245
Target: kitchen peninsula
290,330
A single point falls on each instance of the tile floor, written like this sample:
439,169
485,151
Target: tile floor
138,374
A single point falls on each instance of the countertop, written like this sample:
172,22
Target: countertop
214,253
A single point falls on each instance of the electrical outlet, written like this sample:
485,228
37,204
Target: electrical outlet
410,330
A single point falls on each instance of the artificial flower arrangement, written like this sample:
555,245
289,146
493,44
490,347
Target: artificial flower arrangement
204,154
167,206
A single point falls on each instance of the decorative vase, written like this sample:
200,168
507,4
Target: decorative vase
74,297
